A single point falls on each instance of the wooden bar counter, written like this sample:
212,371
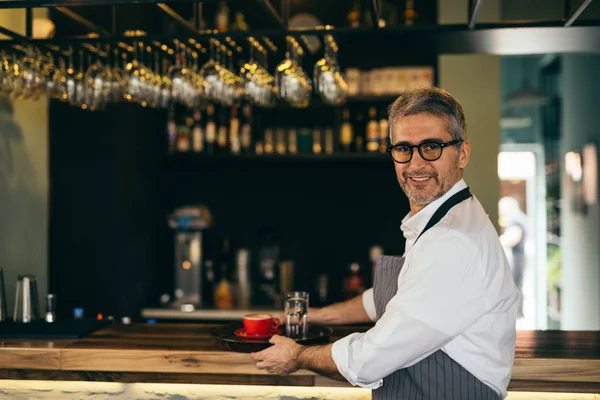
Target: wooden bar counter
546,361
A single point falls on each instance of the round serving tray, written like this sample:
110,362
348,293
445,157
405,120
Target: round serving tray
224,339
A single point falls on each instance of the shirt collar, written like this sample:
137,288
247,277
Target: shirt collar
413,225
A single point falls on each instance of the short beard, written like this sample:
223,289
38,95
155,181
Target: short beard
420,199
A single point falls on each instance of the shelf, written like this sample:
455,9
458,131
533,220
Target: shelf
202,157
372,98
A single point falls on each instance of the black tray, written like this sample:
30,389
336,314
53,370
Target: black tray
69,329
224,339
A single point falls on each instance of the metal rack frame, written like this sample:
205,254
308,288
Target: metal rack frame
563,36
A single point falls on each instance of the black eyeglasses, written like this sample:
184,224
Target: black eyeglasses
429,151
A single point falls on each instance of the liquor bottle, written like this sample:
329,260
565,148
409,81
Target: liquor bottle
372,133
239,22
354,282
234,132
360,128
292,142
353,17
224,289
246,129
269,141
409,13
222,130
383,132
346,132
198,132
280,145
171,130
183,135
317,147
211,129
222,17
329,141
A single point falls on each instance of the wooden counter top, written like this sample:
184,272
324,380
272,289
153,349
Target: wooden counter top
184,353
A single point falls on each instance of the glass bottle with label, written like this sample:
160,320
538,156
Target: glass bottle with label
346,132
372,134
246,129
234,131
222,130
222,17
383,132
198,132
171,130
211,129
224,289
354,282
183,135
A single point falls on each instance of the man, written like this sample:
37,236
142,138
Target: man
445,312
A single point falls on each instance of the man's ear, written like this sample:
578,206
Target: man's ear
463,154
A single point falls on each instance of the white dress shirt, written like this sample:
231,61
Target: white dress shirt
455,292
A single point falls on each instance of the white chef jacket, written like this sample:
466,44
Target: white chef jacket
455,292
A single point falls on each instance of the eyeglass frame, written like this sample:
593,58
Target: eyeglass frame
418,147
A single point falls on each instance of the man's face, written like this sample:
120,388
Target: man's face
425,181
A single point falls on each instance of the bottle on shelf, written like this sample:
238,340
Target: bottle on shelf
234,132
171,130
183,134
354,283
269,147
211,129
353,17
239,22
409,13
383,132
292,141
280,145
224,289
328,141
222,131
246,129
346,132
198,132
372,133
222,17
317,147
360,129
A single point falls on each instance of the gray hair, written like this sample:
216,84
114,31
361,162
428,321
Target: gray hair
433,101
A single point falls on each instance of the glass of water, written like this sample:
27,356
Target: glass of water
296,314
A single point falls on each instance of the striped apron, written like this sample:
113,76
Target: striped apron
437,377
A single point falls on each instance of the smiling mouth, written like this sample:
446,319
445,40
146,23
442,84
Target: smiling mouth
420,179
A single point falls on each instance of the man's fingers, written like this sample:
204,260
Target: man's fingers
259,355
264,365
275,339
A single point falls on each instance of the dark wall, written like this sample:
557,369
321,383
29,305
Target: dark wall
113,184
107,230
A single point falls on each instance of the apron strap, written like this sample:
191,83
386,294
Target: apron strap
445,207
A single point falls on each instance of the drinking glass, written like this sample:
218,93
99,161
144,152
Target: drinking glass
296,314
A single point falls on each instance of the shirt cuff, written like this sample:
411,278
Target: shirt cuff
340,352
368,302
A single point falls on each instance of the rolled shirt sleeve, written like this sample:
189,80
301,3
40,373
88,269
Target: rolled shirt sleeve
368,302
440,294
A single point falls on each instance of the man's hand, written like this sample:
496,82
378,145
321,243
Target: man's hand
281,358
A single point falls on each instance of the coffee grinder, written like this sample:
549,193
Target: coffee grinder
189,224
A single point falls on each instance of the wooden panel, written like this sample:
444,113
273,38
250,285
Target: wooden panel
553,386
161,361
540,369
29,358
161,377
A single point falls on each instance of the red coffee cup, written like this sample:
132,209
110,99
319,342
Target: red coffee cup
259,324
